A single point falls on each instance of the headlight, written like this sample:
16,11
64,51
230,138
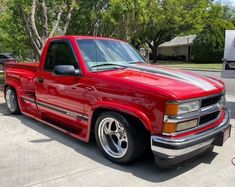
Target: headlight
173,109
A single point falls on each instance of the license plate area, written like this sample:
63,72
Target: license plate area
223,136
227,133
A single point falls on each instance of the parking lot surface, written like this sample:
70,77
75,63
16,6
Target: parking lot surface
33,154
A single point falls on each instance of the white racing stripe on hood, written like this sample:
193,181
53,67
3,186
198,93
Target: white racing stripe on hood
205,85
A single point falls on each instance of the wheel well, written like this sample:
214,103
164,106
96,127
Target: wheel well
129,117
5,87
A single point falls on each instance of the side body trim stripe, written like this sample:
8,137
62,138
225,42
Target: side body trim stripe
57,109
63,111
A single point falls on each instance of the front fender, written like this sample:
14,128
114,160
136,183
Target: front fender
124,109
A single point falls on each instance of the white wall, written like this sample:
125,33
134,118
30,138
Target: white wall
173,51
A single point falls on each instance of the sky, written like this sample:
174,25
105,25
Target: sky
229,2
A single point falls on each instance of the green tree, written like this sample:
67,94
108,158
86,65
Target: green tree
12,36
111,18
209,44
28,23
167,19
41,19
88,20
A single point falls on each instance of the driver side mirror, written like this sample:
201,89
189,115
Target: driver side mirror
66,70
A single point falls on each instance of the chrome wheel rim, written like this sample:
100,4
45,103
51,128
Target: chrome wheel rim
112,137
10,100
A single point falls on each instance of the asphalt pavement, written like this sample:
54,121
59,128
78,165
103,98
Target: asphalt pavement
33,154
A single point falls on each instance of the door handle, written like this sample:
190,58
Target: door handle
41,79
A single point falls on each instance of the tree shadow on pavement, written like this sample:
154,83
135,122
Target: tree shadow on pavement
143,168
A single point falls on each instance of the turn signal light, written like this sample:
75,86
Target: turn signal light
172,109
169,128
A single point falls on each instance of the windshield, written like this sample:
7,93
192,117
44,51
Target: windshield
108,54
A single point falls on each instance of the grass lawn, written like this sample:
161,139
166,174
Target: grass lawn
1,78
191,66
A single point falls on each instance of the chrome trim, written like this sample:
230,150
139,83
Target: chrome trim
211,121
172,153
28,99
211,107
210,134
63,111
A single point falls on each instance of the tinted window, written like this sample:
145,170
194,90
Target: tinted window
60,53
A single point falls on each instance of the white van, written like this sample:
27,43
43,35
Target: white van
229,55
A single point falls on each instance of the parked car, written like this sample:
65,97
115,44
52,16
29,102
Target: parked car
89,84
5,57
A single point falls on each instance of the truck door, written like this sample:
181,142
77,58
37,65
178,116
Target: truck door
59,97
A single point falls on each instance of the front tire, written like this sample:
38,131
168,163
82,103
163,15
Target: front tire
120,141
11,100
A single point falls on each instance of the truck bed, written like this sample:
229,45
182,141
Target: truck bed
21,73
21,76
22,65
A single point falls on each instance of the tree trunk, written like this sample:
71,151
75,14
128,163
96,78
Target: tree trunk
36,57
154,52
153,48
36,39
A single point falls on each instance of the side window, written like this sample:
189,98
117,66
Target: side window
60,53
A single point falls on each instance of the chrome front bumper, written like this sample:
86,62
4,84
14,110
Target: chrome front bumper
167,148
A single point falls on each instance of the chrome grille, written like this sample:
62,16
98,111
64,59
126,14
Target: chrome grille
210,100
209,113
209,117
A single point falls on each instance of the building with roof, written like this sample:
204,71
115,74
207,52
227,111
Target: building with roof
179,48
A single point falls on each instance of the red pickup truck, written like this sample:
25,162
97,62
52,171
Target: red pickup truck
89,84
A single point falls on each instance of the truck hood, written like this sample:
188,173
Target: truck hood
177,83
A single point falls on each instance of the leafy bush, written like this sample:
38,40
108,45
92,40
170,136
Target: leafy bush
208,47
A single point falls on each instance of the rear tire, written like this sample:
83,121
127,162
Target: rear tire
11,100
120,141
1,67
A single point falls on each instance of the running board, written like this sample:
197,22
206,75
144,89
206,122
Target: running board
65,130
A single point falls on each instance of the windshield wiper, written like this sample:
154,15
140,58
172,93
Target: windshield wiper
108,64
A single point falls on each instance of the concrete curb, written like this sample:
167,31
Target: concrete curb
191,69
230,98
202,70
